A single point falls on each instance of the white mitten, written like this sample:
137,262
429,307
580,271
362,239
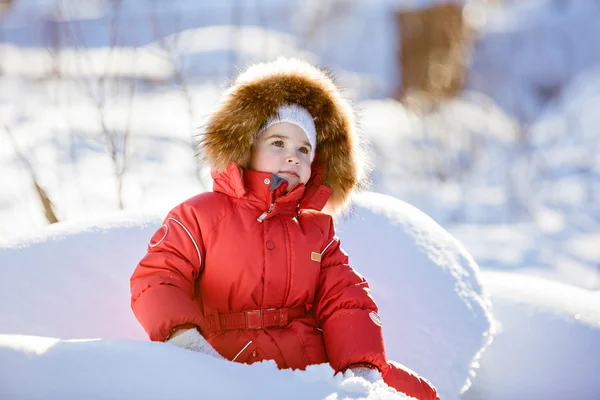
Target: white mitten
368,374
191,339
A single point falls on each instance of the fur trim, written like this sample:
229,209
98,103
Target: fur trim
244,108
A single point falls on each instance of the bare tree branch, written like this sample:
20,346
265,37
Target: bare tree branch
47,204
170,47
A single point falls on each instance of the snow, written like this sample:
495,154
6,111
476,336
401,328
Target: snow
549,43
426,283
122,369
89,63
460,151
567,257
84,271
547,344
85,267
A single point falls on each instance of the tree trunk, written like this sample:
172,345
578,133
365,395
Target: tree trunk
4,6
432,56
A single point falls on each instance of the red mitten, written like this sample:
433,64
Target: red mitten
409,382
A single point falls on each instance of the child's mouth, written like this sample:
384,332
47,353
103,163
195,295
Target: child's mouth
291,173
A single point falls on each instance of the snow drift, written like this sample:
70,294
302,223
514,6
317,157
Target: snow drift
72,282
547,344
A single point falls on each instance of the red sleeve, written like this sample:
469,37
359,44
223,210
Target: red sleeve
347,312
163,283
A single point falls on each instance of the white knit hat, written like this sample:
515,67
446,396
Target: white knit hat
297,115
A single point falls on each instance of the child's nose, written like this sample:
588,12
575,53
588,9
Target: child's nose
293,159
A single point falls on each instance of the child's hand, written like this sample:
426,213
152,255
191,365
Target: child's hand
178,332
191,339
366,371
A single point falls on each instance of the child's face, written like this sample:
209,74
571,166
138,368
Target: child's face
283,149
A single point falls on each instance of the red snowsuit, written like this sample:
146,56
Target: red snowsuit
212,258
217,258
260,271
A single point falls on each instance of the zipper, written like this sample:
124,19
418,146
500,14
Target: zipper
288,246
262,216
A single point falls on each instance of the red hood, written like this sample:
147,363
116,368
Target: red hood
229,134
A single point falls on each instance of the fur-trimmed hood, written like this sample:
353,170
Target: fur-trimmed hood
257,93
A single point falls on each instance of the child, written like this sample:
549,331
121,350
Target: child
253,270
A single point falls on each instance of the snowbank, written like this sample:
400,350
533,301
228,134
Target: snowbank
427,287
565,256
72,282
547,345
105,369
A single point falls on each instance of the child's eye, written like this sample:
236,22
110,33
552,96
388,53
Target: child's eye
304,150
278,143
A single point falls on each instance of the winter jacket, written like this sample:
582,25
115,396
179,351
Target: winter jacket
256,268
214,257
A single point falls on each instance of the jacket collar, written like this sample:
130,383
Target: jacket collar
264,188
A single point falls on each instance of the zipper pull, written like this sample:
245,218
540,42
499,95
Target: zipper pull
264,215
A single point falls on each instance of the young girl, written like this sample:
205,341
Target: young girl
253,270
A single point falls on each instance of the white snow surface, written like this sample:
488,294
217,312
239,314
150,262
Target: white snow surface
76,277
547,346
426,283
125,369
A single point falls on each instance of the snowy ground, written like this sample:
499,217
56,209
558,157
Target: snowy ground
434,301
109,369
510,168
435,315
547,342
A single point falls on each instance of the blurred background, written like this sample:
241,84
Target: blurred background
482,113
